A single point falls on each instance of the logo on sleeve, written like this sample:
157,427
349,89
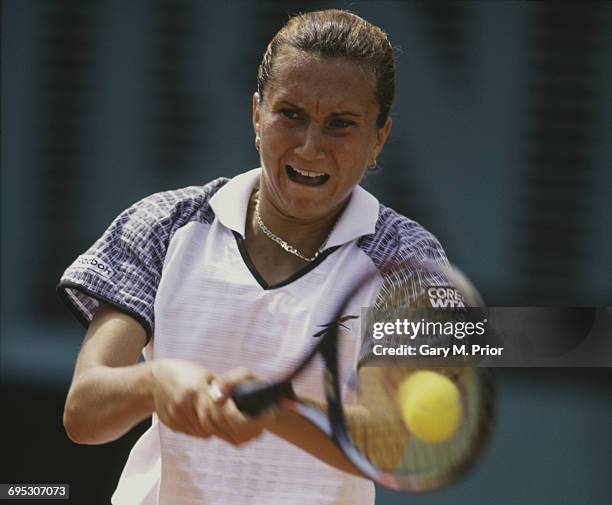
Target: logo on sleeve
89,262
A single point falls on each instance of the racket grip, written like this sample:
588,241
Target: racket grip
252,398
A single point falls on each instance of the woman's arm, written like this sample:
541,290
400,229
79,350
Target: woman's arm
372,423
111,392
296,430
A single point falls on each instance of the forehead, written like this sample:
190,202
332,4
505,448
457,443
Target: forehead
334,83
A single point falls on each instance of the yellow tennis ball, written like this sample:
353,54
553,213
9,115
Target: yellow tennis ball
430,405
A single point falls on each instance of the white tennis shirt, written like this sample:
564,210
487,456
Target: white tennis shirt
175,261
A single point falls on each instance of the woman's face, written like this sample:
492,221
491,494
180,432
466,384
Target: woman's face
317,131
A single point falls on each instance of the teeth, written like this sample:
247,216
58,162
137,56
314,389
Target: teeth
308,174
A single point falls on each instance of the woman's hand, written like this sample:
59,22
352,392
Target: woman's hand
190,399
111,391
181,395
239,427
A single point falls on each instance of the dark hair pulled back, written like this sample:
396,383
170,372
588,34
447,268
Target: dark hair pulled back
337,34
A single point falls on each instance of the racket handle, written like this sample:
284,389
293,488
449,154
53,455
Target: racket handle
252,398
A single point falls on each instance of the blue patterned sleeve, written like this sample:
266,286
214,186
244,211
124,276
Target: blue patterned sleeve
123,268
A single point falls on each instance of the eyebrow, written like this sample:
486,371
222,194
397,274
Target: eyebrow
334,114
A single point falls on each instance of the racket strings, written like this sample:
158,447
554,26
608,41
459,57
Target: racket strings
381,439
405,455
384,440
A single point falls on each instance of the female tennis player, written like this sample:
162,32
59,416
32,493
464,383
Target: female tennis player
222,283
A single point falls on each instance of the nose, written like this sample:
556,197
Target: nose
310,147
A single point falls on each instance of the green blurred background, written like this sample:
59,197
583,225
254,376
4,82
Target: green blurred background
501,147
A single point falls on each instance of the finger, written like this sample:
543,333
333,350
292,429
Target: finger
206,420
211,427
236,420
178,416
178,423
205,428
241,427
235,376
199,428
187,420
218,418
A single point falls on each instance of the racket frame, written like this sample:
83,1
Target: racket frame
254,397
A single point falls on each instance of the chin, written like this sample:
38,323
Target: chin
306,209
313,206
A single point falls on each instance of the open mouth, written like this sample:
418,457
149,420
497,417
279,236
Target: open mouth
306,178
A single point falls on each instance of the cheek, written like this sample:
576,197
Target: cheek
277,138
353,156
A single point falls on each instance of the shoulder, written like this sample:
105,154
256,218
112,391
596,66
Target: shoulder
123,267
398,238
155,218
167,207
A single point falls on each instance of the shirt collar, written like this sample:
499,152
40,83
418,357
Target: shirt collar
231,202
230,205
358,219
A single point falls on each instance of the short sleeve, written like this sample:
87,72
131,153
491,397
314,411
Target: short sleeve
123,267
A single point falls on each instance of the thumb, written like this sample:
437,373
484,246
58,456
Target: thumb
220,389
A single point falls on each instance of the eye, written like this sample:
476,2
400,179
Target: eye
290,114
341,123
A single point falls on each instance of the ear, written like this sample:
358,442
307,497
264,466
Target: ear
255,114
382,135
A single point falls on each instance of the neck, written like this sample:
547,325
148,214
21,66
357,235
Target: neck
307,236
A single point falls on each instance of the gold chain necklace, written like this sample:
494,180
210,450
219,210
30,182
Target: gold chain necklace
283,243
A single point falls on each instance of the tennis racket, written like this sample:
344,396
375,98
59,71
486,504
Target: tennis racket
372,433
